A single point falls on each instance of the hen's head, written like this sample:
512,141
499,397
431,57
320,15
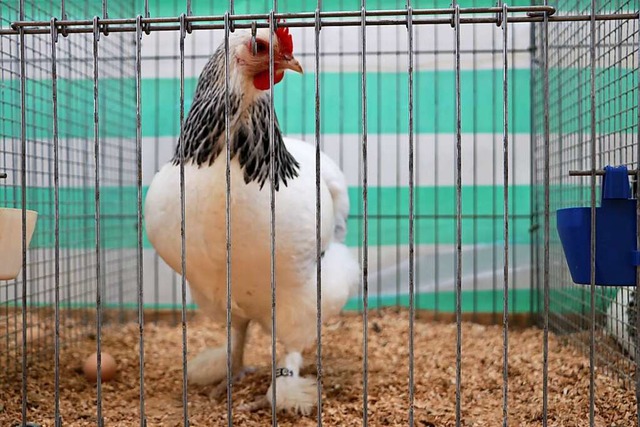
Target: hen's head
255,66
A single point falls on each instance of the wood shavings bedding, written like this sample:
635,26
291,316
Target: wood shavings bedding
388,396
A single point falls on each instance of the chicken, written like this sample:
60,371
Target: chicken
203,144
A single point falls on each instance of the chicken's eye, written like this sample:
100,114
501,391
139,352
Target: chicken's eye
261,47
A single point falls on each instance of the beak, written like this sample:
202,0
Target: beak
291,63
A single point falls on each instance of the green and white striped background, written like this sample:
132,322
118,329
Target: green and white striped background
341,130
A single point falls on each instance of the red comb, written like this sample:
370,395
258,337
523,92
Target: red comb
284,38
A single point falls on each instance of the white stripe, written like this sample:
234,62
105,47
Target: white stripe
390,151
394,151
163,286
160,51
346,40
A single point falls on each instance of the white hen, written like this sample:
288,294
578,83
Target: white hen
202,145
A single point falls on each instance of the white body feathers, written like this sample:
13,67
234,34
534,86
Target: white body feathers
295,224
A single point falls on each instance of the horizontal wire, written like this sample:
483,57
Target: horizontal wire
291,15
128,25
598,172
298,55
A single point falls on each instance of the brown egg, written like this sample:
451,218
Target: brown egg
108,367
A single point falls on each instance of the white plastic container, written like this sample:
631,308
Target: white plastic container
11,240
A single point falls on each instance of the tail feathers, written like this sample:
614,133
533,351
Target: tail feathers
340,278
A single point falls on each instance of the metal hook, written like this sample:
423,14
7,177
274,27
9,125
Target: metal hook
63,28
54,29
318,21
105,27
183,25
254,30
96,28
453,15
409,15
227,23
3,175
505,10
146,26
139,27
187,24
232,25
499,15
63,17
536,14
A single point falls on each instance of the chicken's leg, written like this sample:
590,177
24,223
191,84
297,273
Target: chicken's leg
293,393
210,366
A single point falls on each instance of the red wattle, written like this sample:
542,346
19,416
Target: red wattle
261,80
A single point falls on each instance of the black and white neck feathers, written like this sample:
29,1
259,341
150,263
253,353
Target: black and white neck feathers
203,137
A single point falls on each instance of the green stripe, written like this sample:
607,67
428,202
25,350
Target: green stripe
80,10
484,301
388,222
388,216
340,104
575,299
387,107
341,100
75,108
570,108
570,300
170,7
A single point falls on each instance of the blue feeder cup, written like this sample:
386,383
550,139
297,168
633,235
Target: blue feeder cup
616,246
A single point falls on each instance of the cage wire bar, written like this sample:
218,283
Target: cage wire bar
458,206
139,223
365,223
505,301
592,251
23,146
318,206
35,164
110,155
411,215
185,29
590,121
183,243
637,183
545,279
56,202
637,290
227,208
532,14
272,212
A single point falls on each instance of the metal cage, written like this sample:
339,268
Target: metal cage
461,130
